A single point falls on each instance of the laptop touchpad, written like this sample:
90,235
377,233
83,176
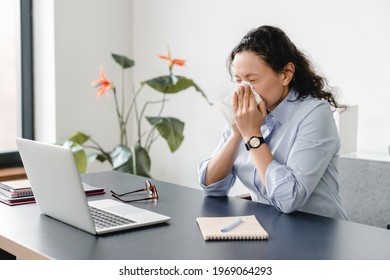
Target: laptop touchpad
124,209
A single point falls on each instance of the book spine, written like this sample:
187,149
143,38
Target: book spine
17,202
22,193
236,237
15,194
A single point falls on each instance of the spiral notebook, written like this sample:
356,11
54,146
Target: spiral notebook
248,229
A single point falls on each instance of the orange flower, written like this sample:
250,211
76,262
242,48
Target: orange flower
171,61
103,84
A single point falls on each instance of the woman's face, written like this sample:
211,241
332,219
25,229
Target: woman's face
272,87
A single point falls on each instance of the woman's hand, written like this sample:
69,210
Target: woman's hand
248,114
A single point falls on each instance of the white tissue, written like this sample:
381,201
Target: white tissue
226,105
257,96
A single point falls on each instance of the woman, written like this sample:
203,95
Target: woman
284,149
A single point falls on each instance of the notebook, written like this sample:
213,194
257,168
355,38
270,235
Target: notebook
59,192
16,188
248,228
12,201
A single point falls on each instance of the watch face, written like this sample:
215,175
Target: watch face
254,142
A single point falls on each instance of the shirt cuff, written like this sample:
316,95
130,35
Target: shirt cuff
279,182
219,188
286,192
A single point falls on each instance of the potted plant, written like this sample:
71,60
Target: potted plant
134,157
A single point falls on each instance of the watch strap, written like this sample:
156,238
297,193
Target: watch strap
249,146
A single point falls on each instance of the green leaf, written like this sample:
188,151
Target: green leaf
134,160
120,155
81,160
142,161
171,129
79,155
173,84
123,61
79,138
97,156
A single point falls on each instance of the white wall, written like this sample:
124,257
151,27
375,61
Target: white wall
347,40
73,38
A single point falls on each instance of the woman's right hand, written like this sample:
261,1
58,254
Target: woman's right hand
247,113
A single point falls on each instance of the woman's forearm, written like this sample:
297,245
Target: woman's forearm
221,163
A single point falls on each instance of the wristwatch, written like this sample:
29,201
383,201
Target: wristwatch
254,142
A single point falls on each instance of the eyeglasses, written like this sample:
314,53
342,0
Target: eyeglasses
149,188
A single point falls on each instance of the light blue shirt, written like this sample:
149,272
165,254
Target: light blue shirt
304,141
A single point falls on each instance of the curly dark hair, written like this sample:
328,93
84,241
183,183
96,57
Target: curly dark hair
273,46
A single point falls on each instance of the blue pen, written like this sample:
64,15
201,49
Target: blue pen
231,225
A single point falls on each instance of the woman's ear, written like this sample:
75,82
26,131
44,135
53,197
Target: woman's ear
289,71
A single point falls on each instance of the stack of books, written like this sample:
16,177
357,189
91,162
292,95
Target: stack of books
19,192
16,192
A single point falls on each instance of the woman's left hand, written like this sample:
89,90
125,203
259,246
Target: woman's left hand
247,113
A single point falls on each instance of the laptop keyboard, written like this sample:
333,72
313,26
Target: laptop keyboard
104,219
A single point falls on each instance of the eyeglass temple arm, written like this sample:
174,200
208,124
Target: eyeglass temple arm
132,200
148,186
140,190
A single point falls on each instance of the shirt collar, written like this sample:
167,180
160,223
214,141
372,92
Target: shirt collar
285,109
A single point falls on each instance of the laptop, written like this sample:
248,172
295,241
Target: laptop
59,192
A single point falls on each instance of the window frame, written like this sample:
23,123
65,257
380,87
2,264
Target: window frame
12,159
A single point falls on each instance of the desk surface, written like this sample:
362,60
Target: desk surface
28,234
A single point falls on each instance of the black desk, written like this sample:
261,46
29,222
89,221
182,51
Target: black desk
27,234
